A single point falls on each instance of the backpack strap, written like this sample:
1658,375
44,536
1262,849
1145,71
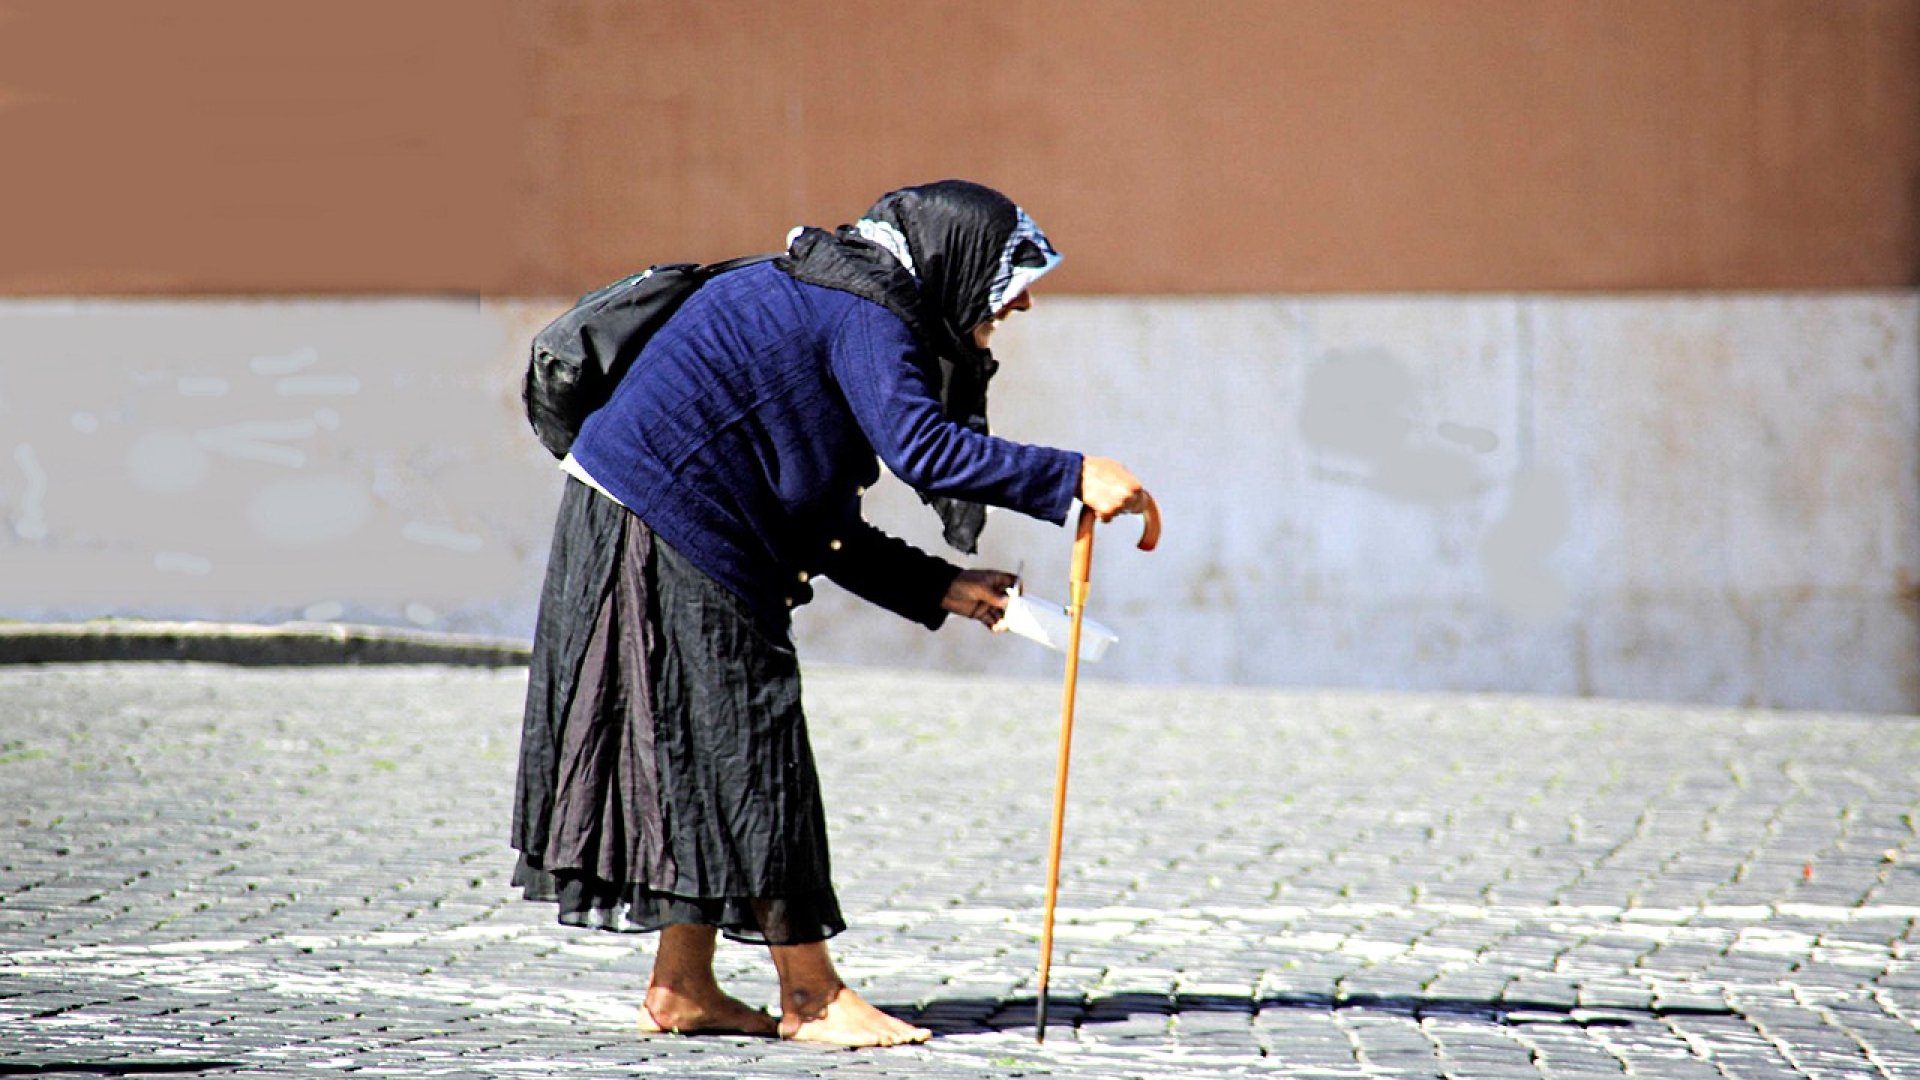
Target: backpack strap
716,269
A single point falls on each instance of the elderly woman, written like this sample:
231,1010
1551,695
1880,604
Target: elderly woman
666,781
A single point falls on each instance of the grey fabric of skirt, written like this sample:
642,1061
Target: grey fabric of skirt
665,771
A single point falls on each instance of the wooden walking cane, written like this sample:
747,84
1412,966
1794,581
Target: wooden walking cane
1076,608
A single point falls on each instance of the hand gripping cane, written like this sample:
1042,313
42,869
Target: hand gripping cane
1076,608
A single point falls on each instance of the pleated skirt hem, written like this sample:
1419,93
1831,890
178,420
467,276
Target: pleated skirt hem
630,908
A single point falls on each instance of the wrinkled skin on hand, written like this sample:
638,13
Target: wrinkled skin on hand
1109,489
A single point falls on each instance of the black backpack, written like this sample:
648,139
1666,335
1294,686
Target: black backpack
580,356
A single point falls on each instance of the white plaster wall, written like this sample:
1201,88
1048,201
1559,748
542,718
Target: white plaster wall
268,461
1704,498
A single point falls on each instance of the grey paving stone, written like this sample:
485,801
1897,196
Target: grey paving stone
303,871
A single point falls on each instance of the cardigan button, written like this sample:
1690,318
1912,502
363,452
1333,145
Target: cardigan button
833,545
803,575
789,600
859,492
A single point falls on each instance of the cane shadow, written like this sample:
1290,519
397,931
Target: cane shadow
979,1015
113,1068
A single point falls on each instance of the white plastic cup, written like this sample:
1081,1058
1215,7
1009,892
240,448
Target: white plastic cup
1051,625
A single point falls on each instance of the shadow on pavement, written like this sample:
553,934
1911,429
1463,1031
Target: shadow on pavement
962,1016
111,1068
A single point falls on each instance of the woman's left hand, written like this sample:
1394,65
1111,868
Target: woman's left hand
980,595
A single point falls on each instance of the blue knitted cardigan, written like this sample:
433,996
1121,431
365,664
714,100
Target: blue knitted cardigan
748,430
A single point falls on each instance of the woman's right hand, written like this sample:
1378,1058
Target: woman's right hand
1108,489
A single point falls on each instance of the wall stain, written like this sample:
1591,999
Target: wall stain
1359,407
31,522
1906,589
1516,551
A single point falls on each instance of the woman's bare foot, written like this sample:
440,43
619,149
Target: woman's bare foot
847,1020
716,1014
682,995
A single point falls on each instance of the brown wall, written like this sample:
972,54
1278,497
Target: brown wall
1237,145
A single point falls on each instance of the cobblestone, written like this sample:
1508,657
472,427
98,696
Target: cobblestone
208,870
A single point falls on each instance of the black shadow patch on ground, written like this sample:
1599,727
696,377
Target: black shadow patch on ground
111,1068
974,1015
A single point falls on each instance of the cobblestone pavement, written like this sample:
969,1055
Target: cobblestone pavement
211,870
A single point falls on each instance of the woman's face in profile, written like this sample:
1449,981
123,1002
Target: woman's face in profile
985,330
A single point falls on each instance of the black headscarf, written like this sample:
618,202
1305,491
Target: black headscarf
942,257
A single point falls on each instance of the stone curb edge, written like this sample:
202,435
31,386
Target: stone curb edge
287,644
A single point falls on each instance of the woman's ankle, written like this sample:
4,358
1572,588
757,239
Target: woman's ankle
808,980
683,965
809,1000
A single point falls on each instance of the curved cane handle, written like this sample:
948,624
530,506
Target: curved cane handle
1083,537
1150,532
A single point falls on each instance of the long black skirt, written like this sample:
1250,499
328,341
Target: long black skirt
665,773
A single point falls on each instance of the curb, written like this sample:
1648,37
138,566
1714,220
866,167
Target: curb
288,644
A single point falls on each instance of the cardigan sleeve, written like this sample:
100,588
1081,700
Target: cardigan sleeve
891,573
874,359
